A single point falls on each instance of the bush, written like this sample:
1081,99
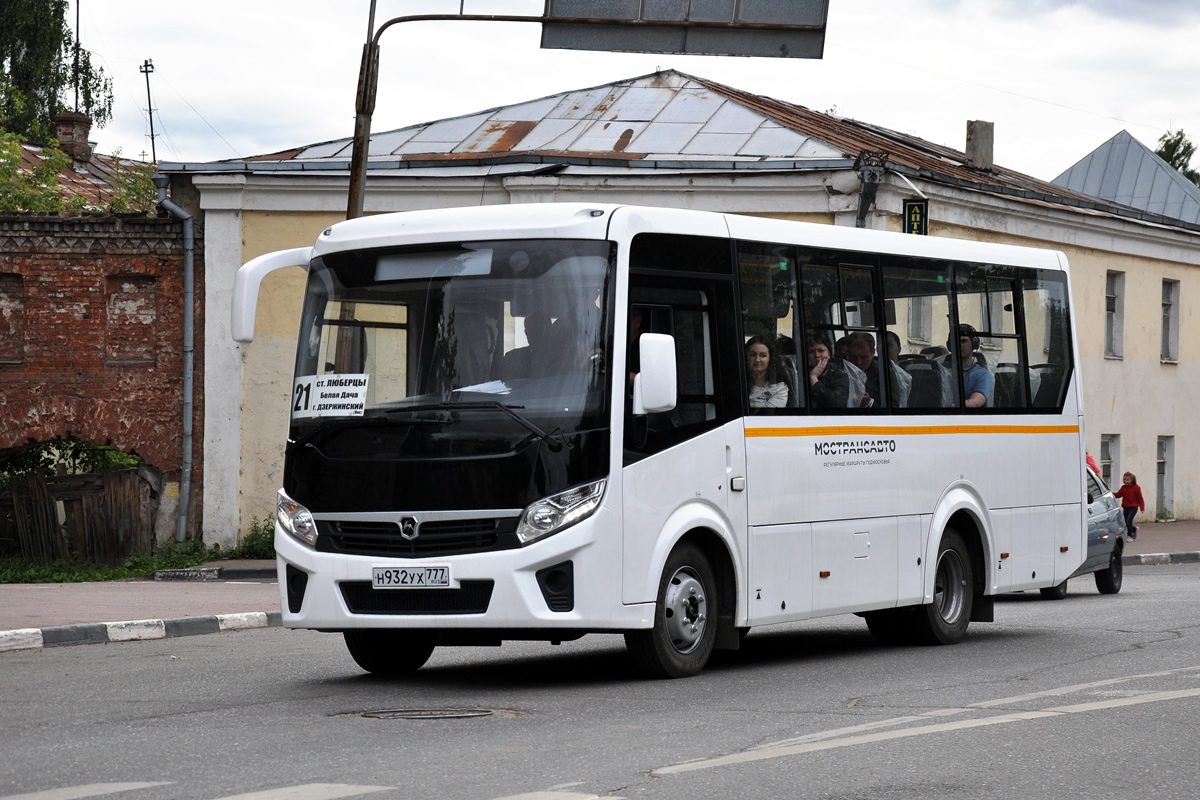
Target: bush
259,542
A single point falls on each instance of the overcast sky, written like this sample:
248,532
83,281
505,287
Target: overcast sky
1058,77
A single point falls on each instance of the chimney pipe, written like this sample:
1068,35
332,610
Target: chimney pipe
72,129
981,137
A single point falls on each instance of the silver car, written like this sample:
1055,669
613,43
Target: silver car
1106,540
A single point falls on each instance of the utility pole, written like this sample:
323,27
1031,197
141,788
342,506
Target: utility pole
146,69
76,65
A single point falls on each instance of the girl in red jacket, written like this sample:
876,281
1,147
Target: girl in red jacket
1131,501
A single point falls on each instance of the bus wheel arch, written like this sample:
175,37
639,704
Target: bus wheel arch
693,603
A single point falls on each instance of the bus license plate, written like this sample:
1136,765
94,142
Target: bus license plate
437,577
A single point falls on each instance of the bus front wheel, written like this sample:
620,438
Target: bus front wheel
388,652
944,621
685,621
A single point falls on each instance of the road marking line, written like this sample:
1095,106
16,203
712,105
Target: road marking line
87,790
821,741
555,796
308,791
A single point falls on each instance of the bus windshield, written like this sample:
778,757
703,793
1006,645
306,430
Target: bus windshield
515,329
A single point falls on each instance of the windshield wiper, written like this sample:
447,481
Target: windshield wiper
555,444
372,418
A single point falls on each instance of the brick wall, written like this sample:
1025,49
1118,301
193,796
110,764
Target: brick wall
91,336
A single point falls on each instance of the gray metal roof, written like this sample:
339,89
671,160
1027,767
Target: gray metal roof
663,115
1125,171
671,122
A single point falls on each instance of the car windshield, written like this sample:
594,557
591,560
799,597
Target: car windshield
517,330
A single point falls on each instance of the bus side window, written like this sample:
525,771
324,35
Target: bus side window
1048,338
685,287
918,297
773,372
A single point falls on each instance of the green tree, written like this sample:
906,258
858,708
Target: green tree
1175,149
38,59
33,185
32,188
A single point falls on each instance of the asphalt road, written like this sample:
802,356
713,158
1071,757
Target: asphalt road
1093,696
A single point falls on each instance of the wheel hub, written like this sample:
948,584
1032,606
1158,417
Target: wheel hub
685,610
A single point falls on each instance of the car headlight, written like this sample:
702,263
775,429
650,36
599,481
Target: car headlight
296,520
552,514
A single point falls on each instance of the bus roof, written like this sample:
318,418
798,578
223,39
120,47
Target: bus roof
591,221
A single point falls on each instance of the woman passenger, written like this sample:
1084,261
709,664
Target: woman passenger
828,383
765,390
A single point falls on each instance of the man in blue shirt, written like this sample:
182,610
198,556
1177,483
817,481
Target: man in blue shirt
977,380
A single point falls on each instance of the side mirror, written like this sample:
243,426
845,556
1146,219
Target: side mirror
246,283
654,388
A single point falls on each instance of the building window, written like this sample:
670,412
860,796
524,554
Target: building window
1114,314
920,314
1110,457
12,318
1170,321
1164,493
132,316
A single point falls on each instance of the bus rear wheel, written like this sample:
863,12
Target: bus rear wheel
944,621
685,629
388,652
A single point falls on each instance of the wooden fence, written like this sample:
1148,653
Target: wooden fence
101,518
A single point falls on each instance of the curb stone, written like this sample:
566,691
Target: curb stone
231,573
135,630
1161,558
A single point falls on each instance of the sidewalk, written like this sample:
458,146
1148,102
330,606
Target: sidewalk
236,595
221,596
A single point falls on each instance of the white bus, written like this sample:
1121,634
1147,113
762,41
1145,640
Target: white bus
540,421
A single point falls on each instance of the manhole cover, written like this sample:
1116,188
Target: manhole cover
429,713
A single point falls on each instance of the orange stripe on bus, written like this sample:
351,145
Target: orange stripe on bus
862,430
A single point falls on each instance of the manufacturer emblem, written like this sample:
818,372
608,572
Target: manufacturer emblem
408,528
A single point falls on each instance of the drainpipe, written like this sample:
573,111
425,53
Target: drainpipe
189,337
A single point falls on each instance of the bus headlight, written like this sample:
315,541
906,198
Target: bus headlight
296,520
552,514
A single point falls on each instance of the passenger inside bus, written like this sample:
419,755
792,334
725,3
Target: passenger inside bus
535,359
767,390
861,348
828,379
977,379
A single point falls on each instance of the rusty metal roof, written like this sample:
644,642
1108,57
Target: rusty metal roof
662,116
93,180
670,120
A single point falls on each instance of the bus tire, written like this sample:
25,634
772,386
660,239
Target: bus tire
1108,581
685,619
944,621
389,652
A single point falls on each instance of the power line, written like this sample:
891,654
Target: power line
995,88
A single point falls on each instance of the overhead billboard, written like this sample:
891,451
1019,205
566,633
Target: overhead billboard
764,28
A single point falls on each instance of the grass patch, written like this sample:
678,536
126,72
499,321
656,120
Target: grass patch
259,543
22,570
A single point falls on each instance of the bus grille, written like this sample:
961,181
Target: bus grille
435,538
472,597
